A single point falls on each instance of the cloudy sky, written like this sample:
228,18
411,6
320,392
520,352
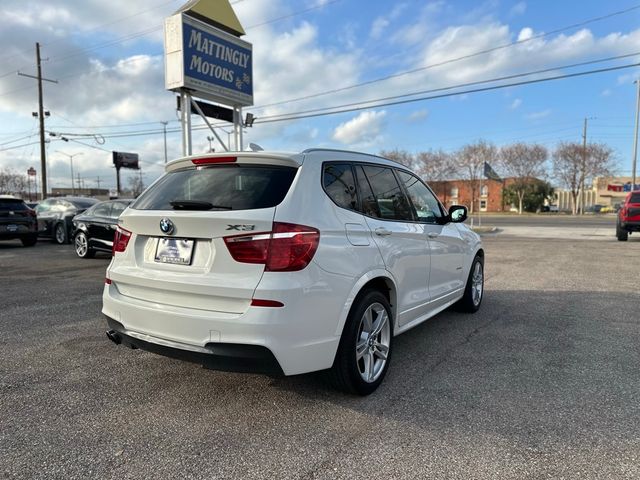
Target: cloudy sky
313,54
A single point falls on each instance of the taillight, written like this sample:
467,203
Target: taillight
288,248
120,240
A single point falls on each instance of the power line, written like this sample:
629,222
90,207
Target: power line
479,82
295,116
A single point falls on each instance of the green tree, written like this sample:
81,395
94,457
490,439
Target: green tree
533,196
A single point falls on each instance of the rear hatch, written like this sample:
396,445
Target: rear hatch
174,234
16,216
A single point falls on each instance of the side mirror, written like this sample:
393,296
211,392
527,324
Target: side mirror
458,213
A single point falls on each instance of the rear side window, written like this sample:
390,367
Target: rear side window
634,198
12,205
225,187
340,185
117,208
385,195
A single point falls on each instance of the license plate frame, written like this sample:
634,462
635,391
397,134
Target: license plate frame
174,251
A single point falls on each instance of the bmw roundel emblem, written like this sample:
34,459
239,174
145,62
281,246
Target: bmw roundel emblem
167,226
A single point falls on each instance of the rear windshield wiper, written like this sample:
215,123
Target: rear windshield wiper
196,205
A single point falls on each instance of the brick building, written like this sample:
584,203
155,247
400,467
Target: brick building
462,192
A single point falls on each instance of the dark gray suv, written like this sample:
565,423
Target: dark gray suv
17,221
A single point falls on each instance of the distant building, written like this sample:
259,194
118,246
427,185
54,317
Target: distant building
605,191
460,192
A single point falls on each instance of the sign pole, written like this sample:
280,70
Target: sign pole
237,128
185,120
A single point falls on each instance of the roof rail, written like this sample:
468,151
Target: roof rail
310,150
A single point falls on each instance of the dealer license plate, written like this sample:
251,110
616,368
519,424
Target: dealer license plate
177,251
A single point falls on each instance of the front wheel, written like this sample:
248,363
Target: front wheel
364,353
82,246
474,290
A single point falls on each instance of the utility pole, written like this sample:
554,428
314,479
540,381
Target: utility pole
584,166
80,183
43,153
164,127
98,182
635,140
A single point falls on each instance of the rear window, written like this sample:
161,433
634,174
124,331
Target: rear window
227,187
83,203
11,204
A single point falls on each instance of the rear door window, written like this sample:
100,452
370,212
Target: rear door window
634,198
384,194
225,187
340,185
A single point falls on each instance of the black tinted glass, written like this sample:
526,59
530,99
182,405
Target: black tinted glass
635,198
11,204
233,187
340,185
388,196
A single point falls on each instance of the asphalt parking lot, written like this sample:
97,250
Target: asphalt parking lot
543,382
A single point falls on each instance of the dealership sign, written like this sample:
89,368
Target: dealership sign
209,62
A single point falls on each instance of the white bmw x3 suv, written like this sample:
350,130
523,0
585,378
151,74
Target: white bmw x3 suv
287,263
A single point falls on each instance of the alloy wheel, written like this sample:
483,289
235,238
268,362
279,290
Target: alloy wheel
477,283
372,344
81,244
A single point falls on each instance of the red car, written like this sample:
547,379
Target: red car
629,216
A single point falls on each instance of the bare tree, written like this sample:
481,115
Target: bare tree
400,156
435,165
573,165
136,185
470,160
524,162
11,182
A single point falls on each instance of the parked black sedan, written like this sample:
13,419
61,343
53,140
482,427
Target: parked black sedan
55,216
17,220
93,230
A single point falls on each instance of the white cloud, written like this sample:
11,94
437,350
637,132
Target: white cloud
538,115
378,27
365,129
418,116
606,92
515,104
518,9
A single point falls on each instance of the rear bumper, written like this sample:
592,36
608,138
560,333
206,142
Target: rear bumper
220,356
302,335
631,226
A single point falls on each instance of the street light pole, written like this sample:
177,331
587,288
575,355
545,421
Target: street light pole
73,187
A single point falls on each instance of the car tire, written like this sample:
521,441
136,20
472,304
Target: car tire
81,245
60,235
29,241
621,233
364,352
474,289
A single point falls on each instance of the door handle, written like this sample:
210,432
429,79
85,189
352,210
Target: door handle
432,235
382,232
